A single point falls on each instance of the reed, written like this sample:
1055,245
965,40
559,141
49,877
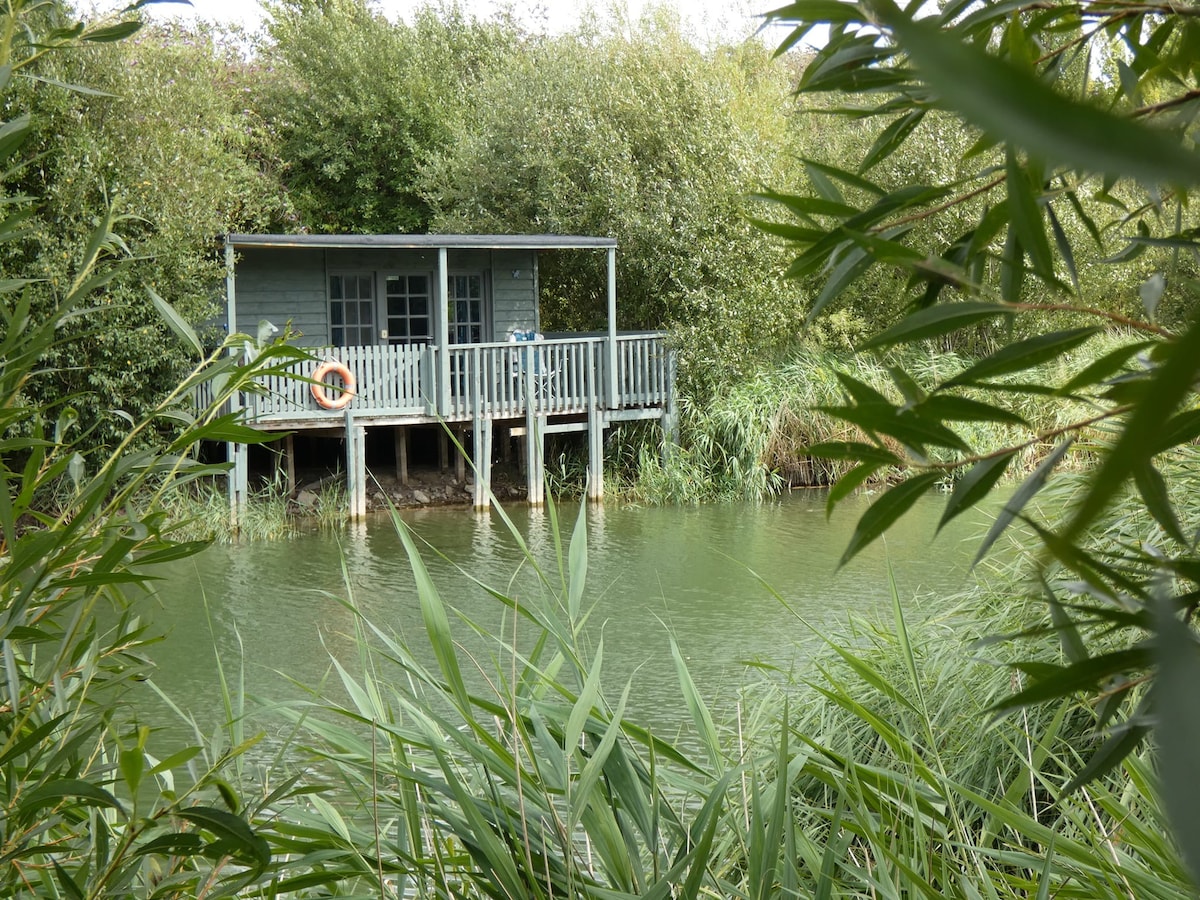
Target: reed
748,440
514,771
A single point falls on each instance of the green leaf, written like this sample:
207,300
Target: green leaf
1003,99
891,139
1177,726
885,511
1104,367
702,720
1026,492
232,829
1153,488
935,321
50,794
1024,355
974,486
1169,385
110,33
848,483
1027,217
176,322
853,450
964,409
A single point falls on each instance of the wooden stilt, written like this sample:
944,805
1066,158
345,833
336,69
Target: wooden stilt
401,438
356,467
595,433
482,492
535,456
460,458
239,483
289,463
443,449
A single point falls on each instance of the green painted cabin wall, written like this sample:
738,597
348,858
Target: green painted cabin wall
290,284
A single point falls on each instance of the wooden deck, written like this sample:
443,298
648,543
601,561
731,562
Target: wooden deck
530,388
413,384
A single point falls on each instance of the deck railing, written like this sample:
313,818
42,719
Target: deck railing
498,380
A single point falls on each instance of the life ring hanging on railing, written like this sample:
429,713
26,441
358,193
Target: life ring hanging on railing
319,392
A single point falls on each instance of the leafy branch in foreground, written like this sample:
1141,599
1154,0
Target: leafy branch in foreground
1080,128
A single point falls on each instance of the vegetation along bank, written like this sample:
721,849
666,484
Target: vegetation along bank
1037,206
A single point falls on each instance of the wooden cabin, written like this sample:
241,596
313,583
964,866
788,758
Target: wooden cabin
438,329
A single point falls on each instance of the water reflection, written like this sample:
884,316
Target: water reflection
695,573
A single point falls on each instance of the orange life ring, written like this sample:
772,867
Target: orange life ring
333,367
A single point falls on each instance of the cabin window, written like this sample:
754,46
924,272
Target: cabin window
466,309
351,310
407,298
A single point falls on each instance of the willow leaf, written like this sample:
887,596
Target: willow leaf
891,139
1177,726
935,321
1104,367
1170,384
1024,355
849,483
1026,492
1153,488
964,409
1002,99
1027,217
974,486
885,511
853,450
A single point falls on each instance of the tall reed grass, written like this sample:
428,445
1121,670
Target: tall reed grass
748,441
514,771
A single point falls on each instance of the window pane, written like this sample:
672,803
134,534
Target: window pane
419,306
364,286
338,337
418,284
366,313
419,327
335,287
335,313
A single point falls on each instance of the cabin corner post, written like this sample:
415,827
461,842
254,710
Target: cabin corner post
442,335
238,480
481,438
595,429
670,416
611,386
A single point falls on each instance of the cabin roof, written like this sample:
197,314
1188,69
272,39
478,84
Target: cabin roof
423,241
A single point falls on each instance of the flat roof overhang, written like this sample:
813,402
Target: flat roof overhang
422,241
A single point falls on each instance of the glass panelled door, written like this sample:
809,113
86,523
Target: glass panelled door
407,298
408,308
466,309
351,310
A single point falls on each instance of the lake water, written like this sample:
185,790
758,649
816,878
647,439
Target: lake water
272,610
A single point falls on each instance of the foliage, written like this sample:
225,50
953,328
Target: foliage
1011,75
158,136
642,137
89,807
356,103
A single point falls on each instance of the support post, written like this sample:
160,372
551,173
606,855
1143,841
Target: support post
239,482
482,491
442,319
595,488
289,463
356,467
535,456
239,473
612,399
443,449
401,439
460,457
